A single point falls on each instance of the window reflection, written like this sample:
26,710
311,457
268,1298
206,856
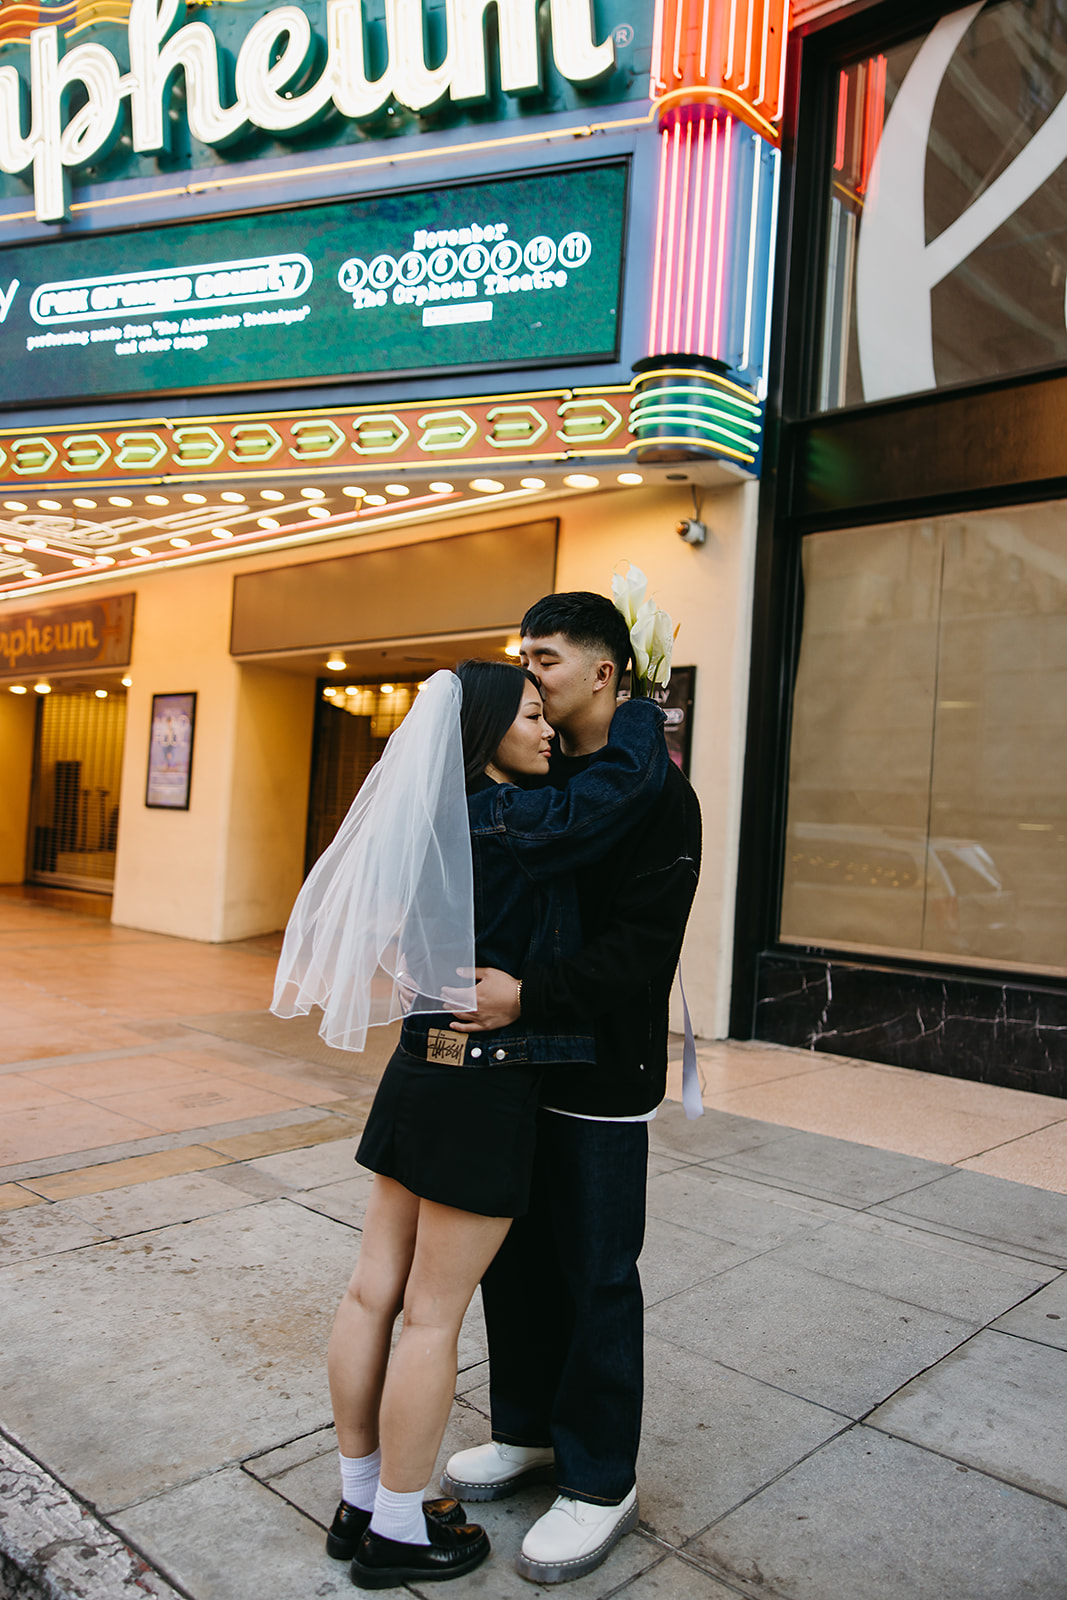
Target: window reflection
928,766
946,252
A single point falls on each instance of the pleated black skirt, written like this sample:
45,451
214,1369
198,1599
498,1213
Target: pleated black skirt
462,1136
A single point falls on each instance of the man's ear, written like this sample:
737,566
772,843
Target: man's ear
604,677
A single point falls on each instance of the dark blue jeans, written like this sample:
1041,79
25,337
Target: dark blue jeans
563,1307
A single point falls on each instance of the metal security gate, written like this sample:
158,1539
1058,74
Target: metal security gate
74,814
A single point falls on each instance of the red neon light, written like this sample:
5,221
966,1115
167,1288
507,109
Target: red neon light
734,46
658,253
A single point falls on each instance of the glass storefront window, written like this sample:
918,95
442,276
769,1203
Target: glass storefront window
928,768
946,254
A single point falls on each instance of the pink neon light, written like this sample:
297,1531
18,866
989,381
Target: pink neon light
699,199
731,39
842,113
702,343
681,276
672,214
720,243
658,256
761,96
655,81
741,87
679,7
784,25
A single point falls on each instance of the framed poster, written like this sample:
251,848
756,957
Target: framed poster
678,704
170,751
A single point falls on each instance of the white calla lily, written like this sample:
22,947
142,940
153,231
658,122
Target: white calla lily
651,631
628,592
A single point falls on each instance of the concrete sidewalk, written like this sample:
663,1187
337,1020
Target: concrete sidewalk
857,1358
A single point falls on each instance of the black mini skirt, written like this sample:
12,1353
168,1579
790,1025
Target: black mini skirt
461,1136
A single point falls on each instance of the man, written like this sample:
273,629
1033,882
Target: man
563,1304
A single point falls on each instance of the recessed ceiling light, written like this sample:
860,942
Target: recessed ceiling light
105,561
397,488
486,485
512,648
337,662
630,477
388,688
271,494
80,561
374,500
139,550
36,544
313,494
15,505
353,491
221,533
101,694
42,688
17,688
191,499
180,544
318,511
86,505
13,549
351,688
118,500
234,496
127,683
441,488
268,522
581,480
157,499
532,483
50,505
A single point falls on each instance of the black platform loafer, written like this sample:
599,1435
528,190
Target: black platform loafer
386,1564
350,1524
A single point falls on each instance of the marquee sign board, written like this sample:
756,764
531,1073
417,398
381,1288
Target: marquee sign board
513,272
197,84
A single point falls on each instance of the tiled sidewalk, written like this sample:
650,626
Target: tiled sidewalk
856,1366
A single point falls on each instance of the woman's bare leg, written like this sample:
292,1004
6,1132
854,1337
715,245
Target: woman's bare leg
452,1250
363,1327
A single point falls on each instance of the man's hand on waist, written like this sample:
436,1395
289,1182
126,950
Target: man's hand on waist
498,1002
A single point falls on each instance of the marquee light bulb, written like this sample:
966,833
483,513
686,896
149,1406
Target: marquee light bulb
313,494
190,499
440,488
180,544
630,477
486,485
581,480
118,500
15,505
532,483
234,496
271,494
50,505
157,499
397,488
85,505
139,550
221,533
354,492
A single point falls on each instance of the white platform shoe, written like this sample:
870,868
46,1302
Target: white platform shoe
573,1537
493,1471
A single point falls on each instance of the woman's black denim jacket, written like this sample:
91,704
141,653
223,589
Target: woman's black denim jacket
526,845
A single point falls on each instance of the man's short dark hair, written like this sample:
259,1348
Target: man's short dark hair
587,620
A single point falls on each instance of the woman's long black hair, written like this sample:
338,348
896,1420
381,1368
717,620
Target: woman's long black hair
492,695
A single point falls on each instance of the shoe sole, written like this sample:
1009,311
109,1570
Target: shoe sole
393,1577
564,1571
497,1491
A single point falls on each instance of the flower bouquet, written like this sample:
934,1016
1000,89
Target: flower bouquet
652,633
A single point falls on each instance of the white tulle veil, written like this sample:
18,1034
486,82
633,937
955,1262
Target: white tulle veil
385,921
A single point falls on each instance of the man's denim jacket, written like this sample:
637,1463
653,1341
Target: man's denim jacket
526,845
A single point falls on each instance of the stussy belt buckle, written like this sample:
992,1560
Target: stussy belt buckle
445,1046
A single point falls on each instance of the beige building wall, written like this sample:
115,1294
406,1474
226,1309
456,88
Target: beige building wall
17,722
230,866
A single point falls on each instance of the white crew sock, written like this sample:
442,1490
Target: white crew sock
399,1516
359,1479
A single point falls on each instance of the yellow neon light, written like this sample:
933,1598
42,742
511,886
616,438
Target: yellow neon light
725,97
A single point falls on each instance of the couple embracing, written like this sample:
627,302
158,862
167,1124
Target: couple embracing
525,829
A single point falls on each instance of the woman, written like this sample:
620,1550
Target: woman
450,1135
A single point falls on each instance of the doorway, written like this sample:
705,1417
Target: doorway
74,809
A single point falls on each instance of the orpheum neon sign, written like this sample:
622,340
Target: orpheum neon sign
269,90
